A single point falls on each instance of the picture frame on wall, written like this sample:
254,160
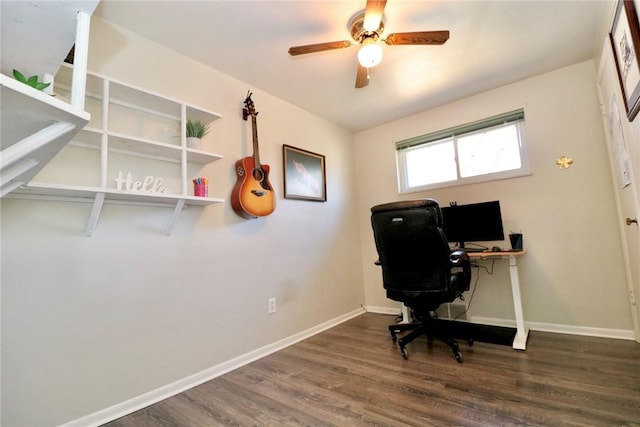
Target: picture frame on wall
625,42
304,174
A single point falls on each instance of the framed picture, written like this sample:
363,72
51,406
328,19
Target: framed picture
625,42
304,174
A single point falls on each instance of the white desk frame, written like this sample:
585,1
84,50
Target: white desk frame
522,332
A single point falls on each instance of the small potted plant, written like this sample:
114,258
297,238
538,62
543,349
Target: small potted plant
196,130
31,81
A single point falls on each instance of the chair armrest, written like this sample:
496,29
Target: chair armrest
461,270
458,257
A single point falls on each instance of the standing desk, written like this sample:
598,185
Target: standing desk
522,332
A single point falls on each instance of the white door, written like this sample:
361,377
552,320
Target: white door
632,239
621,147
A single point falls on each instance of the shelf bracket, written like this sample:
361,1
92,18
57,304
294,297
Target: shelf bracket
9,188
15,171
21,161
174,217
37,141
98,202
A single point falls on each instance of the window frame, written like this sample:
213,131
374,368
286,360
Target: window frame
516,116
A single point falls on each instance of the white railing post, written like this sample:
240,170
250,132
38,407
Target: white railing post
80,57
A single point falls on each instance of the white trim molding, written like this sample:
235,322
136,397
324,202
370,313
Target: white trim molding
622,334
384,310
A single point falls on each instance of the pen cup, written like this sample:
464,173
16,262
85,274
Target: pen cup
516,241
201,190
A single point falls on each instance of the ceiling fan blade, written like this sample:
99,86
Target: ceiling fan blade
418,37
318,47
362,78
373,14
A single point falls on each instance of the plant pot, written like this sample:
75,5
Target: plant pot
195,143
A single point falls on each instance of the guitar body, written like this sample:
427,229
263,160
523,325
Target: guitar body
253,195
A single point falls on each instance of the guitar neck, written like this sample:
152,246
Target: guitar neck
256,152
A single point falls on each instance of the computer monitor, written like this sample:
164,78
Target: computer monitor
477,222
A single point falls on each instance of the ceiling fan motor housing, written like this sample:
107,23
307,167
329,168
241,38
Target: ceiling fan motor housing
358,32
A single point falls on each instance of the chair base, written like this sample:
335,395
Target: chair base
417,329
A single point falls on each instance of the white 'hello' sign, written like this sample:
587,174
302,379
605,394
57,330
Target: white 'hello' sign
150,184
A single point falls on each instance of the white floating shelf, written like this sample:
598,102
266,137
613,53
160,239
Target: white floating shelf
100,196
70,192
35,126
26,110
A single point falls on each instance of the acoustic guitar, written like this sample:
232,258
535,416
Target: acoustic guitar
253,195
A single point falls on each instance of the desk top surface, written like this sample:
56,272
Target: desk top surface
489,254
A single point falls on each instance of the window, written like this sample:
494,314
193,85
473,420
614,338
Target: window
486,150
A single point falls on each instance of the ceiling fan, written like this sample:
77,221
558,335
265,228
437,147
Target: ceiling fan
366,30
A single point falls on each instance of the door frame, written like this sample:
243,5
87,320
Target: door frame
633,281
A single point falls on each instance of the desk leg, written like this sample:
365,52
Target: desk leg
520,341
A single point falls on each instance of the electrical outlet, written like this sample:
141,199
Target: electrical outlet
271,303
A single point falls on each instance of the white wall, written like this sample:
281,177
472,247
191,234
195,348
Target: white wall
91,322
572,275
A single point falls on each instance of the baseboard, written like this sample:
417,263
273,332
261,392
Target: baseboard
622,334
144,400
384,310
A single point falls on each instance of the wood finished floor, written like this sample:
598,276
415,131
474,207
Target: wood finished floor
352,375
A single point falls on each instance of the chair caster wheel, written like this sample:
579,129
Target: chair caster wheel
458,357
470,342
404,353
393,337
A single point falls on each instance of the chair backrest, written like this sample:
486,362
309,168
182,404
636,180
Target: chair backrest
412,248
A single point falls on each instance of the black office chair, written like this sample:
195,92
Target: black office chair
418,268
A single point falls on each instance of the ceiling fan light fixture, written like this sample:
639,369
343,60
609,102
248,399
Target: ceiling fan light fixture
366,28
370,54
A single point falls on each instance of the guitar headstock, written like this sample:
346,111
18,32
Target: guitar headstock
249,109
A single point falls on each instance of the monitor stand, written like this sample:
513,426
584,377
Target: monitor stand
479,248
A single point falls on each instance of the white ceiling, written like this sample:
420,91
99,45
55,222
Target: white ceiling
492,43
37,35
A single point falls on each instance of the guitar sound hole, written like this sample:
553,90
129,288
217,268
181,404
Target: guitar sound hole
258,175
